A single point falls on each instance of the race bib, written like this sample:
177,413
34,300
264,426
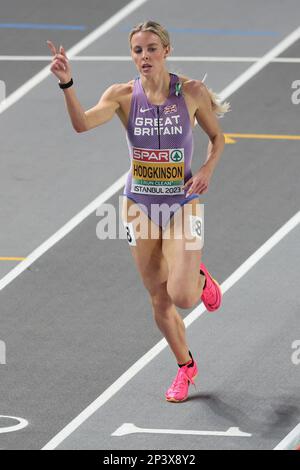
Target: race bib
157,171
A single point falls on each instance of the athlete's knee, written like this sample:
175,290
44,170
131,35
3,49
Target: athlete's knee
183,301
182,297
160,303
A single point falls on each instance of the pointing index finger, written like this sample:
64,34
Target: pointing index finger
51,47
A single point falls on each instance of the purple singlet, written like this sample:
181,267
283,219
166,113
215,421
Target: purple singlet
160,142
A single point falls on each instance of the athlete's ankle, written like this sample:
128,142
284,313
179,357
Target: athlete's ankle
203,275
188,363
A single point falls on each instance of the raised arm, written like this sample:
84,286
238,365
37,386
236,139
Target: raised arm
82,120
104,109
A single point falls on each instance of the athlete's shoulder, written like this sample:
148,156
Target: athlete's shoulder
194,88
119,90
183,79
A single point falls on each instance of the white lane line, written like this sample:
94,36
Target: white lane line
241,80
130,428
290,441
262,251
16,427
76,49
146,358
261,63
117,58
63,231
103,197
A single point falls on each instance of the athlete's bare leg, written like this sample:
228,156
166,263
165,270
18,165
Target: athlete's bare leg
154,272
183,255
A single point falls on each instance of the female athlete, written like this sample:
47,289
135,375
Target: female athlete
161,208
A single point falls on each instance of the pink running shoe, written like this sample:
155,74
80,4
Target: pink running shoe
180,386
212,294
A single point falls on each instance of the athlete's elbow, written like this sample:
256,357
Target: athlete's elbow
79,130
218,139
81,127
223,140
81,124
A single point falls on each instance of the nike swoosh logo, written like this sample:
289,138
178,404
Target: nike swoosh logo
144,110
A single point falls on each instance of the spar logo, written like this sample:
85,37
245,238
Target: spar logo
158,155
176,156
149,155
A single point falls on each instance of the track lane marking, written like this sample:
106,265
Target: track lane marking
291,441
78,47
14,97
42,58
230,137
130,428
62,232
22,423
260,64
225,93
162,344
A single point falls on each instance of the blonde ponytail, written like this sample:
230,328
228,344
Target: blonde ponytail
219,108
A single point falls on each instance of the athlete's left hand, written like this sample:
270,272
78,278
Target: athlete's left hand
199,182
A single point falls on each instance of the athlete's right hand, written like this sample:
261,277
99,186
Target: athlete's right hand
60,64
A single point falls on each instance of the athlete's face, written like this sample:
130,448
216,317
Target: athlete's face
147,52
